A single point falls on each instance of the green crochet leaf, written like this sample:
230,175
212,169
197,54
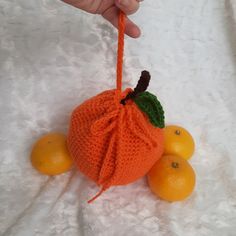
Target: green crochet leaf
149,104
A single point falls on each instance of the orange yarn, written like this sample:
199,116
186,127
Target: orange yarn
120,51
112,143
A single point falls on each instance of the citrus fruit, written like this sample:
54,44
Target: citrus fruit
178,141
172,178
50,155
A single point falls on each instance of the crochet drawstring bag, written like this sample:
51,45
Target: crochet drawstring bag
116,137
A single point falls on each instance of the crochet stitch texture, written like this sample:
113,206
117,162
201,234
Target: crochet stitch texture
111,143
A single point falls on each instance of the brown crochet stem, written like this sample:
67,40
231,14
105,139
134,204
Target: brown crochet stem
141,86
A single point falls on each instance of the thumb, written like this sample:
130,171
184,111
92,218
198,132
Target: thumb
127,6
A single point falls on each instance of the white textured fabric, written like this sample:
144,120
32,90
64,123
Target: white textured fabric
53,57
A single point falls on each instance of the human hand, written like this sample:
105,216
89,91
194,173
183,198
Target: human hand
109,9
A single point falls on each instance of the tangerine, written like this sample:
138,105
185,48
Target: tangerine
178,141
50,155
172,178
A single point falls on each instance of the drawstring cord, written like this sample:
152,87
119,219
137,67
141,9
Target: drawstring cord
119,72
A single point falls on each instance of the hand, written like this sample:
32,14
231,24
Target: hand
109,9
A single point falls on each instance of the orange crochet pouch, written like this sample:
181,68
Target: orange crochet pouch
116,137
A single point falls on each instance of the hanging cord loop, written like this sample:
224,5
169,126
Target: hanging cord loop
120,51
119,70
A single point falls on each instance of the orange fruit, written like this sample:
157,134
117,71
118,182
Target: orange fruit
50,155
172,178
178,141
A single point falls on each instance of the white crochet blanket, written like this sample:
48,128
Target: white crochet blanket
53,57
